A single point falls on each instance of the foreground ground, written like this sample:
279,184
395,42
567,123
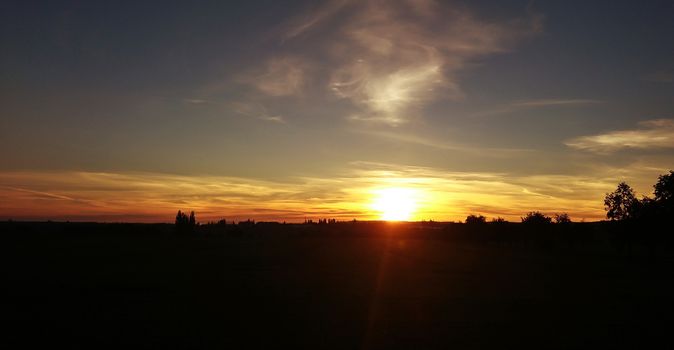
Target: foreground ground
149,287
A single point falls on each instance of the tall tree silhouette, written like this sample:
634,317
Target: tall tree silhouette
193,219
621,204
181,219
664,189
184,223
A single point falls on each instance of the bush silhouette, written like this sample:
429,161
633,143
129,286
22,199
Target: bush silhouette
536,218
475,219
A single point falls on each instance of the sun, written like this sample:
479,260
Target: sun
395,204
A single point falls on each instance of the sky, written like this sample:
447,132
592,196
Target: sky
287,110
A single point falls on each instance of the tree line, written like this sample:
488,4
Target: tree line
621,205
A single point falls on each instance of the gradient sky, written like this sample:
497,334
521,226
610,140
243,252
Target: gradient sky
281,110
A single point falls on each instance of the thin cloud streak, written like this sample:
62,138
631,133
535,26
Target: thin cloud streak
533,104
553,102
307,21
442,145
651,134
255,110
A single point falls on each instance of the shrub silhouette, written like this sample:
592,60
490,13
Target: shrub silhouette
475,219
536,218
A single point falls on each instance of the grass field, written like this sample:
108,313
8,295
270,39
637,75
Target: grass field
145,286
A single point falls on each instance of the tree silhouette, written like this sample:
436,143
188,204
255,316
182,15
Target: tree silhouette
185,223
536,218
661,207
475,219
562,218
181,219
664,188
621,204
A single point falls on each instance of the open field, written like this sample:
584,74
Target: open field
88,285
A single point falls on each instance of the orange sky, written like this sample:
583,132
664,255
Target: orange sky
434,195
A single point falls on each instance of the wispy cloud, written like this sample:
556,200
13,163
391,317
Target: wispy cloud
387,59
275,119
255,110
281,76
443,145
553,102
533,104
196,101
442,195
394,56
651,134
308,20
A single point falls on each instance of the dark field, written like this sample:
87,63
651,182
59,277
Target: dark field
366,287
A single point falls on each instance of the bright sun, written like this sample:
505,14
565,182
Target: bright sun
395,204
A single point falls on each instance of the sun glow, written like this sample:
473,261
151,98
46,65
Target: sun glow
395,204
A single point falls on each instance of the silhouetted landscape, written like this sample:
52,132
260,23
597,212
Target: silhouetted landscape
330,284
337,174
343,285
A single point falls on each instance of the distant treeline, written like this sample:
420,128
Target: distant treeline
621,237
643,224
631,222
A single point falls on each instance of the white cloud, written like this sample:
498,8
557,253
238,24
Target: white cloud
650,134
395,55
389,58
282,76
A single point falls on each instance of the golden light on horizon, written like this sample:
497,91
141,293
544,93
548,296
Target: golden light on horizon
395,203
